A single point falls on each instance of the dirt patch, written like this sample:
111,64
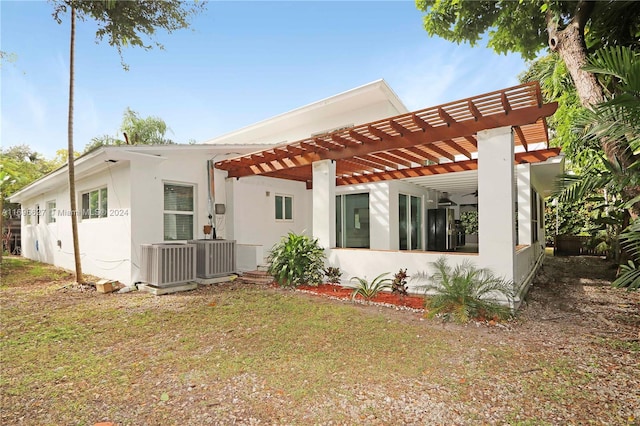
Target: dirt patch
574,295
240,354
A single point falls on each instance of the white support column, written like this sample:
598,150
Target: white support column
496,209
523,172
324,203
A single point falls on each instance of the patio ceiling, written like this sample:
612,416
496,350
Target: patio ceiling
431,141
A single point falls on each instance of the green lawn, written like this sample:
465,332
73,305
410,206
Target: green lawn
258,354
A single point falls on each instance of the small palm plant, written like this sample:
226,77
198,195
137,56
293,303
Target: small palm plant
296,260
466,292
369,290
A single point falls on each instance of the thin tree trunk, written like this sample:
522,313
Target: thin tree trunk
2,227
72,177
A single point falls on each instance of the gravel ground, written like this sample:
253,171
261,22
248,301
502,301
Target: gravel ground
571,311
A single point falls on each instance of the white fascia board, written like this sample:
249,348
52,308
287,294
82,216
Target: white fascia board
101,158
57,177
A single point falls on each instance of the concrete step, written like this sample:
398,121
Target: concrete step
256,277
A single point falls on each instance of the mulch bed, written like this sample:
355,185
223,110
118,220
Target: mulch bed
344,293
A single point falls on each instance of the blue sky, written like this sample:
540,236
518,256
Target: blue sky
241,62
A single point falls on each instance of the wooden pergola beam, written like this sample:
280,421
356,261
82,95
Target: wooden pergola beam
420,151
392,159
523,140
516,117
440,151
459,166
453,144
410,138
361,138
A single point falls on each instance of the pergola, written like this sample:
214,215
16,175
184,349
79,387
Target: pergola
430,141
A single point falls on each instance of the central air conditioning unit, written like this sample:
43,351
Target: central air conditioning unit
216,258
168,264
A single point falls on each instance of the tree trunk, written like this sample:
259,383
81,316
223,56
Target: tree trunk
72,177
2,226
569,43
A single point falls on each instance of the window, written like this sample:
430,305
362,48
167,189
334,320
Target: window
178,212
37,214
94,204
51,212
410,222
284,207
352,221
534,216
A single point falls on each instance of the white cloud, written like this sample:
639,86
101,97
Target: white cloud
441,72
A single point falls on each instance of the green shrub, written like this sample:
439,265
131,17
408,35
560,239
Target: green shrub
296,260
466,292
333,275
369,290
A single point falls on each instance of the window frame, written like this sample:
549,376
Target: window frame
535,200
283,207
343,222
419,244
191,213
102,213
51,212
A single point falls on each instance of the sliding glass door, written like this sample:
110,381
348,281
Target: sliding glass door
352,221
410,222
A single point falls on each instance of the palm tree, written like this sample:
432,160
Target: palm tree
70,160
123,23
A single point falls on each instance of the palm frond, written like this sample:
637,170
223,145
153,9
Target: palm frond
616,61
630,240
629,277
465,291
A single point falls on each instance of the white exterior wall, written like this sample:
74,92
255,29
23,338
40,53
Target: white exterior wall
369,264
324,195
148,176
523,176
496,209
104,242
250,215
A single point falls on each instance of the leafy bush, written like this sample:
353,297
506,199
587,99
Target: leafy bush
296,260
630,273
369,290
399,284
333,274
466,292
470,222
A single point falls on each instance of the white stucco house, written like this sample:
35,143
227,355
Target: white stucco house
379,186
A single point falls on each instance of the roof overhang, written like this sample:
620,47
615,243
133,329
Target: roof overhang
436,140
106,157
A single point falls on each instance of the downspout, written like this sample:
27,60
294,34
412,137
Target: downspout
212,197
